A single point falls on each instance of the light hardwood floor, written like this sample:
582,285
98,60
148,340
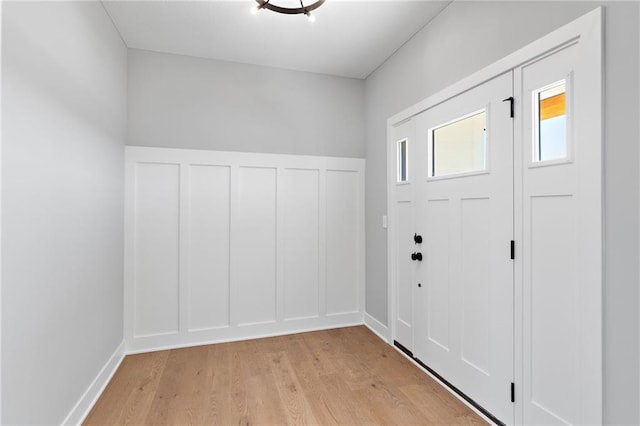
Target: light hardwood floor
344,376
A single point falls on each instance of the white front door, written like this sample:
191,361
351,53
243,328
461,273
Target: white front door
464,209
481,320
558,172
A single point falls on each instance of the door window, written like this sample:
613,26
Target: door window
459,146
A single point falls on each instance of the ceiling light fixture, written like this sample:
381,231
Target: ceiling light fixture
306,10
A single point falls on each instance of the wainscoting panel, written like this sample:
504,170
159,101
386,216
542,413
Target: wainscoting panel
343,251
301,239
222,246
156,236
254,247
208,235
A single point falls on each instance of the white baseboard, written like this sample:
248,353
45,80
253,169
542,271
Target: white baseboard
234,334
377,327
95,389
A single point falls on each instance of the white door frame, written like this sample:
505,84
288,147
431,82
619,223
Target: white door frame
588,30
1,4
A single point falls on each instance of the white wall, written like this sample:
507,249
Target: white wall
468,36
184,102
64,126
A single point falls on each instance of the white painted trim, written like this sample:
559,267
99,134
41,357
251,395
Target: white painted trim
571,31
391,235
1,5
235,334
185,158
362,241
83,407
638,309
244,338
252,159
380,330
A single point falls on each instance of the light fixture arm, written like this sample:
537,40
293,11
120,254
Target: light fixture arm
265,4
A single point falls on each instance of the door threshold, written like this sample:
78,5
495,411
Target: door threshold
443,381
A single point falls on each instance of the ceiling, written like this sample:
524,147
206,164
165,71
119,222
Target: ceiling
348,38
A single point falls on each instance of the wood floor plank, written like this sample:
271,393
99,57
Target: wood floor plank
348,406
239,387
128,396
296,406
184,390
265,406
327,410
333,377
170,394
441,407
320,349
218,405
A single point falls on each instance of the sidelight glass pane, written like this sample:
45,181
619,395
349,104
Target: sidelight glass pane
402,161
550,141
460,147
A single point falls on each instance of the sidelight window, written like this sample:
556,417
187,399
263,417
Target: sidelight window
550,123
402,161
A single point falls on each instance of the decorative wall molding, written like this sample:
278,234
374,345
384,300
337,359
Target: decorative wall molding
222,246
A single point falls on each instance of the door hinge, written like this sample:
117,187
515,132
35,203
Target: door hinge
512,100
513,392
513,250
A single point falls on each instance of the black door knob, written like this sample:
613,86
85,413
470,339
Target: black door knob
419,285
413,256
419,257
417,239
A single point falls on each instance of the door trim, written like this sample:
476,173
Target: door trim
1,3
588,30
587,27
